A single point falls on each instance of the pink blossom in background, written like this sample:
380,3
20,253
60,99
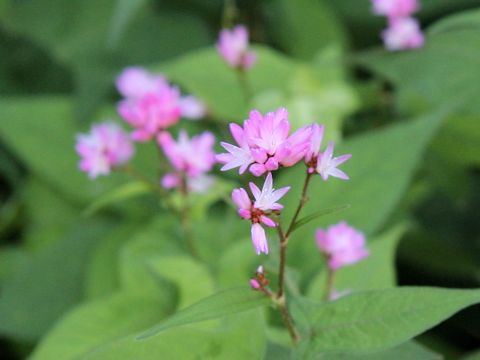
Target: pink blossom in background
257,211
192,108
233,47
152,112
190,158
254,284
343,245
105,147
403,34
394,8
264,143
134,82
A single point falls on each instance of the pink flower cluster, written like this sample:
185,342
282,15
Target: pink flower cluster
233,47
191,159
403,31
105,147
264,145
151,104
342,244
259,210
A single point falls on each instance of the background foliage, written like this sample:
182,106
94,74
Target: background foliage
83,281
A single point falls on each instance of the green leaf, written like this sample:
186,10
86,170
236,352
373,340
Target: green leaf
463,135
93,324
121,193
101,276
380,171
377,271
407,351
430,77
216,306
315,215
305,26
271,71
124,12
192,278
47,284
45,142
156,238
375,320
462,20
240,337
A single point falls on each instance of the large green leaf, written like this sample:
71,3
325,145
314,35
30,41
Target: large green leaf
47,284
458,141
304,27
41,131
432,77
157,238
95,323
240,337
375,320
380,170
102,274
48,214
192,278
219,86
96,38
375,272
213,307
407,351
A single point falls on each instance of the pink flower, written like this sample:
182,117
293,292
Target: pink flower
192,108
343,245
327,165
105,147
233,47
151,113
265,202
394,8
259,281
403,34
190,158
134,82
265,144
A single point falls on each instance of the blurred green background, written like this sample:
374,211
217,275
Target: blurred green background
411,119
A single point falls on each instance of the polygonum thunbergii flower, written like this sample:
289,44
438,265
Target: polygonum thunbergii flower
258,210
264,143
233,47
191,159
192,108
134,82
104,147
323,162
150,105
342,244
403,34
394,8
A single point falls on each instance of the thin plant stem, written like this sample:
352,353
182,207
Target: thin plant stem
244,85
292,331
301,204
283,236
134,174
283,260
327,292
186,221
229,14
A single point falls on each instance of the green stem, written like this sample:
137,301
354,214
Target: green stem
280,298
186,221
327,293
244,85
